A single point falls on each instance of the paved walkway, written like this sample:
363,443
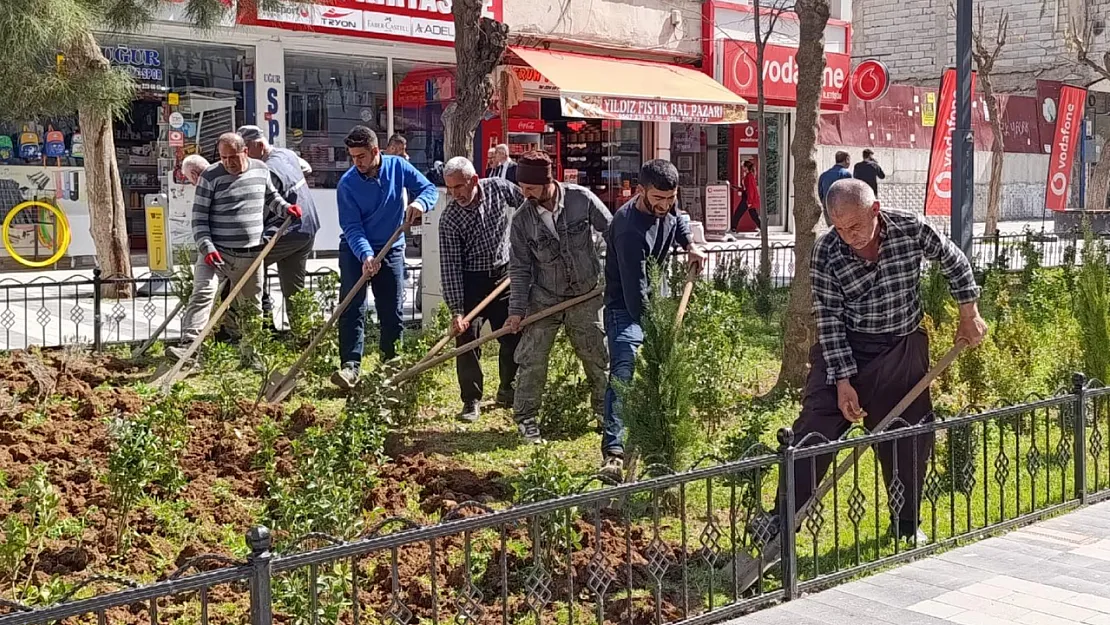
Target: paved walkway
1052,573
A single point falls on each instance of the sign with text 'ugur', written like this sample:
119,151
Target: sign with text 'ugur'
780,74
422,21
635,109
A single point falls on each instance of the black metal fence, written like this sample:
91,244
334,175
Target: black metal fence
693,547
48,313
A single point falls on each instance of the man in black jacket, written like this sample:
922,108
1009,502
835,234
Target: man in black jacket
869,171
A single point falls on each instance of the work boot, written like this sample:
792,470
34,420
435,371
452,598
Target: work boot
505,398
530,430
470,412
346,377
612,468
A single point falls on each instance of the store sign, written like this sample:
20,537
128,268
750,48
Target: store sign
635,109
141,63
870,80
716,208
532,80
423,21
1069,120
780,74
517,124
749,136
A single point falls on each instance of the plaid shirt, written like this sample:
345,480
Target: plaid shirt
475,238
852,294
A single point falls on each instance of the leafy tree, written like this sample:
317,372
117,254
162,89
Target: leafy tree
54,66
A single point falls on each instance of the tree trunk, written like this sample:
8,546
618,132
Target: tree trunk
761,104
479,44
800,330
107,210
994,195
1098,187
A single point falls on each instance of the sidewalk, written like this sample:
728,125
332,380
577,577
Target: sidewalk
1056,572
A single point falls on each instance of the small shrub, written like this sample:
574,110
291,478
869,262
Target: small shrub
547,476
716,339
656,406
416,392
1091,308
222,363
24,534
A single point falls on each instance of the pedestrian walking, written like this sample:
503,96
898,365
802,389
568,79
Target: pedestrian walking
473,260
554,258
839,171
644,230
371,207
291,252
503,166
869,171
749,197
234,200
871,348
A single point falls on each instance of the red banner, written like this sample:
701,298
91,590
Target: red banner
780,75
938,193
1069,127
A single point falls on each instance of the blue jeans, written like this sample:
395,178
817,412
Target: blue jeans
388,287
625,338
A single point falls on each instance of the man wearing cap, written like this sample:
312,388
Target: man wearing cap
553,258
291,252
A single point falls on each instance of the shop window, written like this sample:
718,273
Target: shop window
325,97
421,91
602,155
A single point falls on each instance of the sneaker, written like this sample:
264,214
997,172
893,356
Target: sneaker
346,377
504,398
612,468
530,430
470,412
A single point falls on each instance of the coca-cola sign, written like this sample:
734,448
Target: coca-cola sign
780,74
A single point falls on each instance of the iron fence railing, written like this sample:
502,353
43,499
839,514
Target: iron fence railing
673,548
49,313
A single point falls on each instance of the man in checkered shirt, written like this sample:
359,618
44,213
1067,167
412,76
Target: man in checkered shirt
474,259
871,349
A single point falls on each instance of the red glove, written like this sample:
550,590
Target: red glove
295,211
214,259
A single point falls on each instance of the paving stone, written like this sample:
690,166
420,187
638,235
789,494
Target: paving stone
1040,618
1093,584
936,608
987,591
981,605
1091,602
1048,606
900,594
1030,588
978,618
1101,619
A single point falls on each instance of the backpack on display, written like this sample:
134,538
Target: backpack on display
29,147
55,147
77,147
7,151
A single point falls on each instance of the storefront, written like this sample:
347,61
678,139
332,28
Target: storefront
601,117
730,55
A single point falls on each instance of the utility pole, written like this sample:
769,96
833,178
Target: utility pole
963,140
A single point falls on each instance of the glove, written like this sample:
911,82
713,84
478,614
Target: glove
295,211
214,259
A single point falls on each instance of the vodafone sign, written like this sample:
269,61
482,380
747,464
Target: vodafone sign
870,80
780,74
1069,124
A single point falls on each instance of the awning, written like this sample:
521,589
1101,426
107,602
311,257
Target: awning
606,88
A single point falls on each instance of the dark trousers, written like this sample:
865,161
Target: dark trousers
388,287
738,214
476,286
889,366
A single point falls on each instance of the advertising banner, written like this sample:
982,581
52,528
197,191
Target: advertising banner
938,193
1069,124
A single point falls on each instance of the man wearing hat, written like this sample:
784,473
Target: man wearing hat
291,252
553,258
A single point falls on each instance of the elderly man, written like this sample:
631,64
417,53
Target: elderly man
291,253
503,166
371,198
192,166
643,230
553,259
234,201
491,158
473,260
871,349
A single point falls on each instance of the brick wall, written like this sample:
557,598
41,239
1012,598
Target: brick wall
906,33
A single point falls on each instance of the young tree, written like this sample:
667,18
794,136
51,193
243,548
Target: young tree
54,66
799,331
1080,37
762,36
479,44
985,53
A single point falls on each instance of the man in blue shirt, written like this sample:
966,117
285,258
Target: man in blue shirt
839,171
644,229
371,206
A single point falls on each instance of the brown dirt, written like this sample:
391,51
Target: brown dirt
442,485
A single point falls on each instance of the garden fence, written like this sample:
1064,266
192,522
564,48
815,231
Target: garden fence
660,550
50,313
